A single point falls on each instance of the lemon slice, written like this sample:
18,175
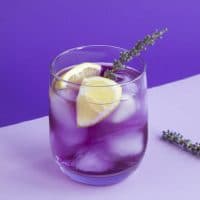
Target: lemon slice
78,73
98,97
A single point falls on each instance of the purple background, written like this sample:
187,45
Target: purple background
33,32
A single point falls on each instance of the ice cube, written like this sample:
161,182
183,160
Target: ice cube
93,160
126,109
130,89
69,93
74,137
126,144
64,121
63,111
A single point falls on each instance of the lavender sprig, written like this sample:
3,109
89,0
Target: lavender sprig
126,56
180,141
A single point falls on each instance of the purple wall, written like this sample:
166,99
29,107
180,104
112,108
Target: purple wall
33,32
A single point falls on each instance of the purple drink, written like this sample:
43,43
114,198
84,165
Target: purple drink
108,149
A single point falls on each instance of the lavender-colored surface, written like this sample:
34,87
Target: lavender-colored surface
28,171
33,32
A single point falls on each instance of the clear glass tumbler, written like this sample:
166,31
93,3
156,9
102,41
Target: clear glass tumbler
109,149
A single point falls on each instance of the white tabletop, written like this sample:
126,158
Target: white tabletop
28,172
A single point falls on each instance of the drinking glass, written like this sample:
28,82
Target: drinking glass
108,151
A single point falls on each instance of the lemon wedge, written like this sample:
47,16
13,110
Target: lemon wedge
98,97
78,73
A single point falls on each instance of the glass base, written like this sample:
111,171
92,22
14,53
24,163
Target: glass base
96,180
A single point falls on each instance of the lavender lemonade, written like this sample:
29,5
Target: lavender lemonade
98,111
98,126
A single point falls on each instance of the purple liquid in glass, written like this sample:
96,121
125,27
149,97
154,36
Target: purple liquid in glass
107,152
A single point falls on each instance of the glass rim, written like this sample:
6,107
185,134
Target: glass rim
58,77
